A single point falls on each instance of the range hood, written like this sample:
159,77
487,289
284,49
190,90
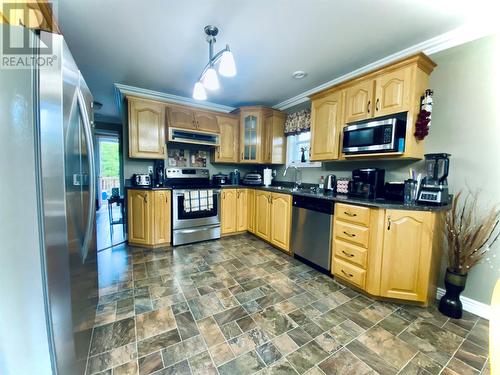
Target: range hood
193,137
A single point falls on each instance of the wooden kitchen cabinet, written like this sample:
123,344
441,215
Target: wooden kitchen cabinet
251,210
228,150
281,220
326,125
234,211
407,254
180,117
241,210
273,218
263,214
229,211
139,217
359,101
251,145
149,217
161,217
206,122
392,92
146,129
274,138
387,253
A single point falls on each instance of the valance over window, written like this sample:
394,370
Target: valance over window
298,122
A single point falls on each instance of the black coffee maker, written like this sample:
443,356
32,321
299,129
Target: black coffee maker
367,183
159,173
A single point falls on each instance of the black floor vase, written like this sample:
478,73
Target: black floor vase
450,304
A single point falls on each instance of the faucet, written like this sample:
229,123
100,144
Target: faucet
296,181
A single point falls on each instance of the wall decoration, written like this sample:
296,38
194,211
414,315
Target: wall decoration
424,117
298,122
199,159
177,157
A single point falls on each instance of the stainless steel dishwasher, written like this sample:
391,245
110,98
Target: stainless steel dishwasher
312,230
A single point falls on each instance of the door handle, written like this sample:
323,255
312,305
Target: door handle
376,104
349,234
389,223
350,214
348,254
368,106
347,274
92,183
145,198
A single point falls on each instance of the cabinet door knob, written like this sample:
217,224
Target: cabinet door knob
347,274
368,106
145,198
348,254
350,214
376,104
389,223
349,234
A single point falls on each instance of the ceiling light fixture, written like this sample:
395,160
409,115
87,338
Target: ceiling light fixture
208,78
299,74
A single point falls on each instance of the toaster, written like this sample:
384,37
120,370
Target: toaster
253,178
141,179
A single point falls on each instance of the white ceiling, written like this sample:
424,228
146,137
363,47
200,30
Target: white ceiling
160,45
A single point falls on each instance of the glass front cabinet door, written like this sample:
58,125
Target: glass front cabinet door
250,137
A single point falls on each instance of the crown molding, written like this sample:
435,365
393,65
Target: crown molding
439,43
122,90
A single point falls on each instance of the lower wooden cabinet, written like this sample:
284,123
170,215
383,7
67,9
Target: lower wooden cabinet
273,218
251,210
281,220
407,254
149,217
234,210
263,214
387,253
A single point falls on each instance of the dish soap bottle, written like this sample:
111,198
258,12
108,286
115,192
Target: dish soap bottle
322,182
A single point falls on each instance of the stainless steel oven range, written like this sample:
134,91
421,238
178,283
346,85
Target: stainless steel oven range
195,205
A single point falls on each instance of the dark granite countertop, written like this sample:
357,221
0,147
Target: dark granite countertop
381,203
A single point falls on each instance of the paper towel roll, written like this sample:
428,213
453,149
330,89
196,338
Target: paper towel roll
268,176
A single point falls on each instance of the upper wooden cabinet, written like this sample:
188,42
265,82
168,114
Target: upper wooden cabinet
326,124
180,117
146,129
40,14
392,92
395,88
227,152
359,101
206,122
262,137
251,145
274,138
190,118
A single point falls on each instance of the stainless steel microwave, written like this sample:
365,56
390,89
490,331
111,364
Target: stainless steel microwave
382,135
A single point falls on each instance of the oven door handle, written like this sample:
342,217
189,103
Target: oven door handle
187,231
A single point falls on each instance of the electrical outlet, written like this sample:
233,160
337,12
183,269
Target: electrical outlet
150,169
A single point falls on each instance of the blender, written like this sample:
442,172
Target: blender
434,188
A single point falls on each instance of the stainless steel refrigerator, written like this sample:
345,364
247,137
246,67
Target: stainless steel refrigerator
48,276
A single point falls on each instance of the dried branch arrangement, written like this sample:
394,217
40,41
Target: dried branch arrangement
470,236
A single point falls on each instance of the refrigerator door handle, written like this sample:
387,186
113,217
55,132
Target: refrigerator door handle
90,152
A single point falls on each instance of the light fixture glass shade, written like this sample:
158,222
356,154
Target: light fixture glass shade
227,67
210,79
199,92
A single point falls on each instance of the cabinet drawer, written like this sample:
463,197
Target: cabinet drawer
352,233
349,272
354,214
351,253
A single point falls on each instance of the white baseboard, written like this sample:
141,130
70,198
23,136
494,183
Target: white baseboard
478,308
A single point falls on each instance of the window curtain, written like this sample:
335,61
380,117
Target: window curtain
298,122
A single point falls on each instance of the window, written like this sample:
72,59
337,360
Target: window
294,145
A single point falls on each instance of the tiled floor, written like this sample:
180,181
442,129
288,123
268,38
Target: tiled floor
238,306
